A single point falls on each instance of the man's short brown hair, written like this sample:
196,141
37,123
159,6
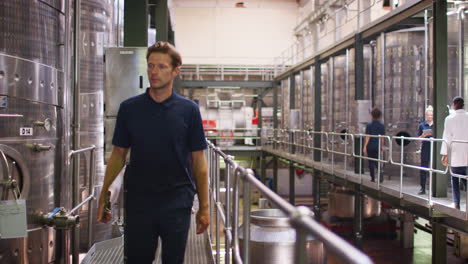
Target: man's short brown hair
165,48
376,113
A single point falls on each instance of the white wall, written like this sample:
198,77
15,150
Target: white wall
215,32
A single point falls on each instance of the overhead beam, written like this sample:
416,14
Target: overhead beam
135,23
241,84
162,20
396,16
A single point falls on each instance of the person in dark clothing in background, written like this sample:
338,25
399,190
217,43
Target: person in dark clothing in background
425,131
371,144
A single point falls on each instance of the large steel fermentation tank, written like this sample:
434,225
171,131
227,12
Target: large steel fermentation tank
326,70
342,100
32,83
308,107
272,240
96,34
400,90
285,114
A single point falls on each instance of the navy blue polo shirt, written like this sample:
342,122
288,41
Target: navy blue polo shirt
426,145
374,128
161,137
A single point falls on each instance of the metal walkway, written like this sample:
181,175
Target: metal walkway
407,197
198,250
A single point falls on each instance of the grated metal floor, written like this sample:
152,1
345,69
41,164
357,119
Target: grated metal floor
198,250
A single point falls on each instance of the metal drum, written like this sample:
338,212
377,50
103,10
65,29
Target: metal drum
341,204
272,240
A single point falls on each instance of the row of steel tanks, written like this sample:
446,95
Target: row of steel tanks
36,114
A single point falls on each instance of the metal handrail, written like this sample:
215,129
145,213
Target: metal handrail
455,174
325,148
75,189
346,135
401,163
449,168
299,216
372,136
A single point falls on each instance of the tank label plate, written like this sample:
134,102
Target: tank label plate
26,131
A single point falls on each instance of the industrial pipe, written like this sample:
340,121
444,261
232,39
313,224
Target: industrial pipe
76,121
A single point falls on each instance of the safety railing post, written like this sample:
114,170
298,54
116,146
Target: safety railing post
217,200
360,159
333,154
431,166
378,164
212,206
227,227
246,218
235,223
401,167
92,168
346,156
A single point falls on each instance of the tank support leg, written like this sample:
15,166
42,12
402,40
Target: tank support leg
316,194
407,230
292,183
439,243
358,201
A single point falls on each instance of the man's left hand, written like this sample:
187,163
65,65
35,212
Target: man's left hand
203,220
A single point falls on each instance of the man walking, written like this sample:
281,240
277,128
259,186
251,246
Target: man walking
455,128
167,165
371,144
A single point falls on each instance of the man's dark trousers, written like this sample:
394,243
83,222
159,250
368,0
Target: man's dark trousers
372,152
149,218
456,183
425,158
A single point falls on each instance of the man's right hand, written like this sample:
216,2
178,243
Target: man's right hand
102,215
445,160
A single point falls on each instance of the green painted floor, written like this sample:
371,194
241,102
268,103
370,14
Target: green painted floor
385,251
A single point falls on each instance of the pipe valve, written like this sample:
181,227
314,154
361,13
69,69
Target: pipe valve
59,219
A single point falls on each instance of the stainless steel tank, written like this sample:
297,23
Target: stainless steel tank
96,34
272,240
455,38
32,83
285,111
400,90
308,106
340,106
341,204
326,95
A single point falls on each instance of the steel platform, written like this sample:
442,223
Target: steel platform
198,250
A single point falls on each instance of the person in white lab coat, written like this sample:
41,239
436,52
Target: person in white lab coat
456,128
